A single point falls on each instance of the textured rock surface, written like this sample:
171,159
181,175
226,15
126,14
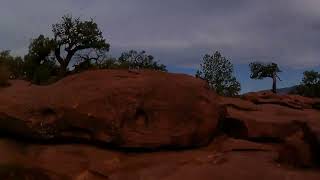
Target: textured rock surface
292,121
120,108
224,158
257,136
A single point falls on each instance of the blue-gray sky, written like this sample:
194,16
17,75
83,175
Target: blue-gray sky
179,32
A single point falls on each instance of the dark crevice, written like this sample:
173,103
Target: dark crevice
99,144
233,127
47,111
142,115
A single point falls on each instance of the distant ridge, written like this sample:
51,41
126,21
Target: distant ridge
283,91
287,90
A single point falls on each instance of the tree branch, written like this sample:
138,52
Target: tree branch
278,77
58,55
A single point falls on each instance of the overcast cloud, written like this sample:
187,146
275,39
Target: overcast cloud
180,32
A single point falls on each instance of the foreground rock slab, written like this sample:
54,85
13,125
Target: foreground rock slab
224,158
143,109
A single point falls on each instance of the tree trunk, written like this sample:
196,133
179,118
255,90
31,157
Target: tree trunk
63,70
274,83
64,64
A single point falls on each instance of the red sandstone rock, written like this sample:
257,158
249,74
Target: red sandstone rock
296,151
151,110
81,162
291,101
135,110
277,119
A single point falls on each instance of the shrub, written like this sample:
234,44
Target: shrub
139,60
310,85
4,76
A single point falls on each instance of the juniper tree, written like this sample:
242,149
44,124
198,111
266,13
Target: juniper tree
72,35
265,70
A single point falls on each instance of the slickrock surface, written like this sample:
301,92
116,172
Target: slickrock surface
121,125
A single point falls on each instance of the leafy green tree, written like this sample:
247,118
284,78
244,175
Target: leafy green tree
40,48
265,70
218,72
310,85
140,60
40,65
311,78
72,35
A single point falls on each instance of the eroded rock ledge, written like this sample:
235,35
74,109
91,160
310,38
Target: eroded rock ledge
291,121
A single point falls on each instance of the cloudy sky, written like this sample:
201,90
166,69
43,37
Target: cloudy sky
179,32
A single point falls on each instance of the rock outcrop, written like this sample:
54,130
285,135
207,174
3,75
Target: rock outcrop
118,108
292,121
53,132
